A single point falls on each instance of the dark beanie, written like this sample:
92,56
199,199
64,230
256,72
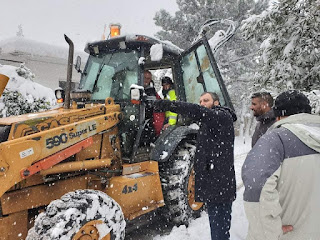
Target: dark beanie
166,80
291,102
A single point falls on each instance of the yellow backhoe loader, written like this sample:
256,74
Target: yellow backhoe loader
83,170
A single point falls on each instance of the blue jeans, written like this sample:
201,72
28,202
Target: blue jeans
220,220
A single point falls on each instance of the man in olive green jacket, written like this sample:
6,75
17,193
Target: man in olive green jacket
281,175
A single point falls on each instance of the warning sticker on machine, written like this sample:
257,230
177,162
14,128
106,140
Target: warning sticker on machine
26,153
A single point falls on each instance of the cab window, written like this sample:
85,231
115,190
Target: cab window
199,76
110,75
208,74
193,88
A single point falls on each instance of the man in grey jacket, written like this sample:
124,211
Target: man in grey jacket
261,105
281,175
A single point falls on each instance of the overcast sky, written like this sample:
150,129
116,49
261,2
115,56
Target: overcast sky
82,20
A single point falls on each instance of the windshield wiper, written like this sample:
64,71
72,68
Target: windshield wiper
100,70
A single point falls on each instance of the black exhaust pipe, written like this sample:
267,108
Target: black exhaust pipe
69,72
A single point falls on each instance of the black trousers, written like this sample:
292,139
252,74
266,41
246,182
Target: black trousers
220,220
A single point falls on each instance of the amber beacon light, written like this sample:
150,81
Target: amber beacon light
114,30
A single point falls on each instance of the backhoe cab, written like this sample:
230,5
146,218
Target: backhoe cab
117,64
93,153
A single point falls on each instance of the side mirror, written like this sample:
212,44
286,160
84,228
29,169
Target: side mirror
136,94
60,95
78,64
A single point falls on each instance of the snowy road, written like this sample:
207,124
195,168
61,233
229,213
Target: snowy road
199,228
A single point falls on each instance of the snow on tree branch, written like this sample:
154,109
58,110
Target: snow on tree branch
290,50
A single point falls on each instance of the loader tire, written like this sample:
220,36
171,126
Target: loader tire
82,214
177,178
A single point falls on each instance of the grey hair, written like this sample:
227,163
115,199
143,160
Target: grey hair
214,96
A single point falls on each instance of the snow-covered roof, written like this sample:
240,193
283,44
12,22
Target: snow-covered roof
133,39
27,46
21,45
167,45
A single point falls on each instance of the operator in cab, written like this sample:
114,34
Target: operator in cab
169,94
157,118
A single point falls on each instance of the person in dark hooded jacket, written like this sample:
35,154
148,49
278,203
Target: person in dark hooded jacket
261,105
214,158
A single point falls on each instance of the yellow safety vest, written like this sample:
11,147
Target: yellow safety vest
171,116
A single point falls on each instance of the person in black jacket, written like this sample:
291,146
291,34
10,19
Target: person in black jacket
214,158
261,105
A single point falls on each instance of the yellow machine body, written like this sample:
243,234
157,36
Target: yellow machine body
138,191
42,147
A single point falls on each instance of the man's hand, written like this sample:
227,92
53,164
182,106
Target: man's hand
165,126
287,228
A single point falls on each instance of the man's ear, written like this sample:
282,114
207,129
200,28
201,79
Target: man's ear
264,105
216,103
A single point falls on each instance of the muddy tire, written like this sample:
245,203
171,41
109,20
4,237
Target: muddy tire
177,178
83,214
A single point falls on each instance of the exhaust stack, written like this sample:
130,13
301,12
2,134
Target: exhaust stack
69,72
3,83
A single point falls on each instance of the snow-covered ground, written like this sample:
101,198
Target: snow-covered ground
199,229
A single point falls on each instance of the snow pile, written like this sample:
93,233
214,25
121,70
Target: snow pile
200,229
167,45
21,94
141,61
156,52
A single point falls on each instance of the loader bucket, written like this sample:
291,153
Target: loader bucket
3,83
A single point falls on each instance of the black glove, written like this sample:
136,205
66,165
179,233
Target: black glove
161,105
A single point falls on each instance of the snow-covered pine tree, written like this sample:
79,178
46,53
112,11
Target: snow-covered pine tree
182,28
14,103
291,44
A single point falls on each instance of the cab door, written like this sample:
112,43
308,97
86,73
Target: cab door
200,73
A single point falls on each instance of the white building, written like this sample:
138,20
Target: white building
47,62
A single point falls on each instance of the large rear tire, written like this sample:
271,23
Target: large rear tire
80,215
178,182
